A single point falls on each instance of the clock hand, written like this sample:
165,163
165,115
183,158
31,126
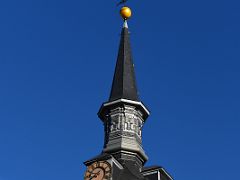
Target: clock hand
92,177
95,175
96,172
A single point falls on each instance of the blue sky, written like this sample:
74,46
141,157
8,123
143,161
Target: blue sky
57,59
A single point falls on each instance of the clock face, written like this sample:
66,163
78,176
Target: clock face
98,171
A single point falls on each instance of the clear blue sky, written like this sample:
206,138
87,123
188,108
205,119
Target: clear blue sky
57,59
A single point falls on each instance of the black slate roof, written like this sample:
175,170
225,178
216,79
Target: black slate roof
130,172
124,82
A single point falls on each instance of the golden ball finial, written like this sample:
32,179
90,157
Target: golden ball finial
125,12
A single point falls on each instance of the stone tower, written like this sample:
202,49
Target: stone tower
123,117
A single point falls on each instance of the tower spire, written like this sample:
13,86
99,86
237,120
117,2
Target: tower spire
123,117
124,114
124,82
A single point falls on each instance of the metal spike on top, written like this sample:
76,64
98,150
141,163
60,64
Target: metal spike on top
125,24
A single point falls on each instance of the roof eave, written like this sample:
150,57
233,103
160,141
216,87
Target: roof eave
105,107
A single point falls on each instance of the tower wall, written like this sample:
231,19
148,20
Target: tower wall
123,133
